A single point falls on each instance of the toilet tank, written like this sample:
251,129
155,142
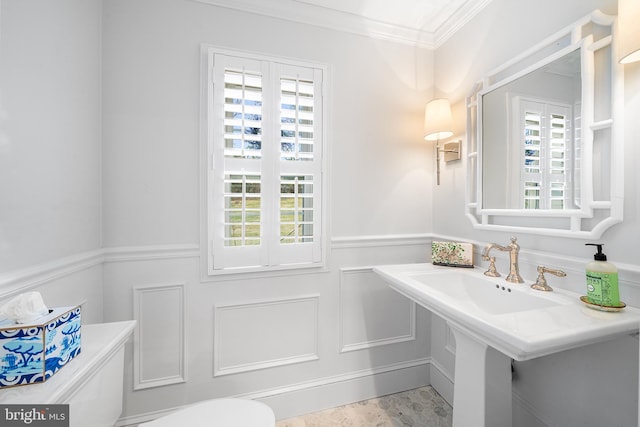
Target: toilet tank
91,384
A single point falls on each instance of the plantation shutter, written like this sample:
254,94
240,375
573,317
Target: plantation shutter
545,181
531,163
300,164
265,176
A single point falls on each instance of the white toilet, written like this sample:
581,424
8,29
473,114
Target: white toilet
219,413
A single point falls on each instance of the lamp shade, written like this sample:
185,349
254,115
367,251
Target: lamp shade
629,30
438,122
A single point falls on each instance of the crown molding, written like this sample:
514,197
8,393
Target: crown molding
450,19
458,19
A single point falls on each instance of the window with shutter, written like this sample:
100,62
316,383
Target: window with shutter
545,129
265,165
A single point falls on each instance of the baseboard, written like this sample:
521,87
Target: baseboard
344,389
135,420
524,410
302,398
441,381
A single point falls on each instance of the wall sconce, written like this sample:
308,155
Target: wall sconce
629,30
438,123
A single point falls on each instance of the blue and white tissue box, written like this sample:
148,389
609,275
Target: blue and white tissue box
452,254
35,351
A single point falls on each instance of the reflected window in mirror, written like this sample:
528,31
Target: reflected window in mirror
545,143
529,128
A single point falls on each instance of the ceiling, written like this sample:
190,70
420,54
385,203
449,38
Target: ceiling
424,23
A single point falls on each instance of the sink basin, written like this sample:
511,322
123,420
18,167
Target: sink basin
494,321
491,295
516,320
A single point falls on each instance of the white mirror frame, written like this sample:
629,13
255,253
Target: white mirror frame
604,91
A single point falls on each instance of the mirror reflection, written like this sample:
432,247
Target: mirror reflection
531,139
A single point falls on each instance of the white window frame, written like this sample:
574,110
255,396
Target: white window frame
271,256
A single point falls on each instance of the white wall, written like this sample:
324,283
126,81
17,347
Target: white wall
300,342
562,389
50,188
99,193
50,182
151,119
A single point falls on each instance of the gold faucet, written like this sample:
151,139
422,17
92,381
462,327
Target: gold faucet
513,248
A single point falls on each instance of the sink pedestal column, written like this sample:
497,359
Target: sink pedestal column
482,387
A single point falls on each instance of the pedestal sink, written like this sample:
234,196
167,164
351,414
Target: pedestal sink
495,321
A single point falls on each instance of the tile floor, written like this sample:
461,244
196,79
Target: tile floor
422,407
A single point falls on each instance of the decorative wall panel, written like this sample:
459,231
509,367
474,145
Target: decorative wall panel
265,334
371,313
159,338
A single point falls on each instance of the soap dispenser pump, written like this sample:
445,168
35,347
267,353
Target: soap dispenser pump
602,280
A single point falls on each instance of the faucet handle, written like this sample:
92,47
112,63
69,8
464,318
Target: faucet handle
541,281
491,271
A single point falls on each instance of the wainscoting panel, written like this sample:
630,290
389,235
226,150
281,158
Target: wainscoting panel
159,338
260,335
371,313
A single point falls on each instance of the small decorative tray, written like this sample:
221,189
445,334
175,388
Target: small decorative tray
610,308
452,254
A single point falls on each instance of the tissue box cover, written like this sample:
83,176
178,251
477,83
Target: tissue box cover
33,352
452,254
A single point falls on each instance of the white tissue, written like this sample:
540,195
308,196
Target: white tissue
24,308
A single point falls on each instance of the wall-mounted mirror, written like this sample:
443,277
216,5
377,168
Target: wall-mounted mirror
543,137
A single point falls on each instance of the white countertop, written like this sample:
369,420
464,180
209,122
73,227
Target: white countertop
521,335
99,343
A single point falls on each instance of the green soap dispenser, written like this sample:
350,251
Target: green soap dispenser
602,280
